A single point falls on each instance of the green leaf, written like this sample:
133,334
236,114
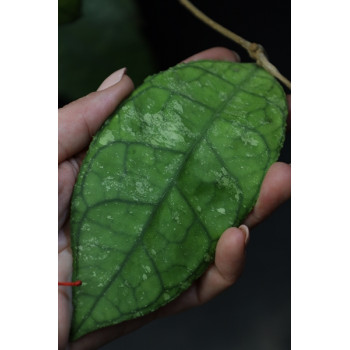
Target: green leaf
68,10
179,162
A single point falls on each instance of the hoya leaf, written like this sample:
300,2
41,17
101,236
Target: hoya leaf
179,162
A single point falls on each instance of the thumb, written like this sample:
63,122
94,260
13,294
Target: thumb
79,120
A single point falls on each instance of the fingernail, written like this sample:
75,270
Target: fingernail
118,75
238,57
245,230
113,79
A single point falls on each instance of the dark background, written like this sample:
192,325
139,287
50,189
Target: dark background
174,33
255,313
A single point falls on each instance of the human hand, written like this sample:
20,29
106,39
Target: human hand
78,122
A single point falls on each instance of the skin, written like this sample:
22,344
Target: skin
77,123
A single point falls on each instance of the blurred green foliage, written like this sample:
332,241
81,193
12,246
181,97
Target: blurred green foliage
107,36
68,10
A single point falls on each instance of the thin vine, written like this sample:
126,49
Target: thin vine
255,51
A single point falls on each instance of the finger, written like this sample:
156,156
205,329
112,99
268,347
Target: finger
79,120
215,53
229,262
289,112
64,297
112,79
274,191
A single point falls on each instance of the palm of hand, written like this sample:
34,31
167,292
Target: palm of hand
67,173
78,121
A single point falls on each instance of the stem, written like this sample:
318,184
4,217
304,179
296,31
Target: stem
255,51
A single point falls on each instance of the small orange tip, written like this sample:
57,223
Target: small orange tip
70,284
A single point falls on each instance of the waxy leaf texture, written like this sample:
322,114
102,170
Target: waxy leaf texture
180,161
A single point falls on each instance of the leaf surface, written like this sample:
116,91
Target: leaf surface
180,161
